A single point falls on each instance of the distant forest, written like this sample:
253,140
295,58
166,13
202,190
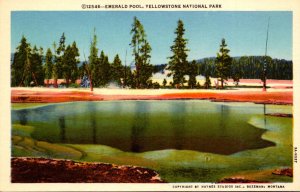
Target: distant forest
31,66
246,67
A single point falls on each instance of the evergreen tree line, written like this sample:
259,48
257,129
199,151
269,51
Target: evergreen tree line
27,68
100,71
30,67
250,67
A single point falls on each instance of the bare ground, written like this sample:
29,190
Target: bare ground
44,95
41,170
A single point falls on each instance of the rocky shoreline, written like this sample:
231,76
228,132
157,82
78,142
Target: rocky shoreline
42,170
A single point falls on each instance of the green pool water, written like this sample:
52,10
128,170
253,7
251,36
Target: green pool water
183,140
140,126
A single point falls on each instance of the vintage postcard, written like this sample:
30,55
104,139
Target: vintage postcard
149,95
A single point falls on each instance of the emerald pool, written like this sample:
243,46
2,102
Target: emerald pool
142,126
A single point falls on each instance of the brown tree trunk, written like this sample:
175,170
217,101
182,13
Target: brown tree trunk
91,83
35,81
137,76
47,83
55,83
67,82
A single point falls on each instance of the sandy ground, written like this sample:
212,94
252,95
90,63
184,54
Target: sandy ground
275,86
280,92
44,95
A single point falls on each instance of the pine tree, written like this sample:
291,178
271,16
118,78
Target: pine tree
62,44
236,71
93,63
164,83
207,83
48,66
27,76
103,70
76,61
137,32
20,61
128,77
223,63
178,64
141,52
192,72
146,69
60,54
55,66
36,67
69,63
117,71
27,67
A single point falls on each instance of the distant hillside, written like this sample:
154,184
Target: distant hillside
251,67
246,67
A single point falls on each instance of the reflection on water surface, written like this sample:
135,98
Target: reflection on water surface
139,126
